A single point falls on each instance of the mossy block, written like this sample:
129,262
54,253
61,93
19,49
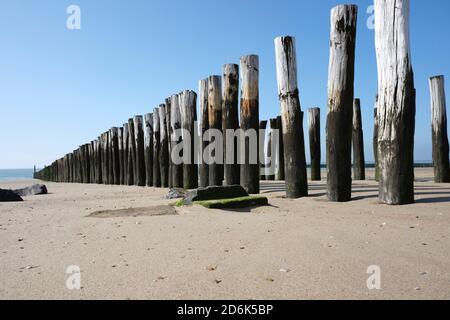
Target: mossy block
234,203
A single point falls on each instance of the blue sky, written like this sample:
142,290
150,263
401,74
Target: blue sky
60,88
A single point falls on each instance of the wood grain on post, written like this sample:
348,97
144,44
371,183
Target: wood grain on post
359,163
168,109
375,140
230,121
164,151
131,175
105,158
187,104
139,153
121,171
204,167
215,122
148,120
156,149
98,151
439,130
126,148
340,102
396,102
175,126
314,142
115,155
291,118
110,158
249,120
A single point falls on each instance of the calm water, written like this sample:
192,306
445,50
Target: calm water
15,174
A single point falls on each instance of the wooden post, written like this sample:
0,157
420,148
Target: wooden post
156,149
291,118
359,164
375,141
121,171
262,130
215,122
270,162
175,124
188,111
148,119
230,121
115,155
439,130
131,175
340,102
126,150
139,153
98,160
203,96
249,114
280,169
111,158
396,102
105,158
314,142
164,147
168,108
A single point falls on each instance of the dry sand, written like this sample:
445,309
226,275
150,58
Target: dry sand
323,249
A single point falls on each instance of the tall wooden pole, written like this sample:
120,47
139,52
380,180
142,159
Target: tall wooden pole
110,157
375,141
121,171
131,154
292,124
230,121
271,150
215,122
262,135
140,153
203,97
439,130
126,148
314,142
168,109
175,124
148,120
105,158
115,155
359,163
249,114
340,102
396,102
156,149
188,103
164,151
98,151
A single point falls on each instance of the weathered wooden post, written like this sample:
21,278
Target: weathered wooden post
375,141
396,102
175,124
314,142
280,156
230,121
139,154
359,163
121,171
164,151
270,163
249,114
105,158
115,155
291,118
110,157
131,175
439,130
98,162
340,102
187,104
126,150
148,119
204,167
215,122
168,108
156,149
262,135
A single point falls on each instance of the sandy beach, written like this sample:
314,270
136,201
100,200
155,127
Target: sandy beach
307,248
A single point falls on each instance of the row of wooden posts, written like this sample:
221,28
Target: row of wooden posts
139,152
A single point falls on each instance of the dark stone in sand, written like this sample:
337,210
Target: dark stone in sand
9,195
32,190
214,193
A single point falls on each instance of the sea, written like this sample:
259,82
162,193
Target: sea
16,174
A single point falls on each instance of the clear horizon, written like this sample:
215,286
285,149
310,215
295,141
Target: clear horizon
61,88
